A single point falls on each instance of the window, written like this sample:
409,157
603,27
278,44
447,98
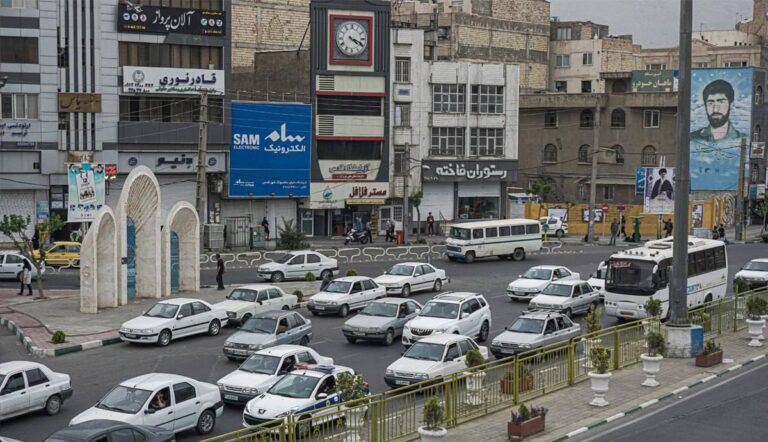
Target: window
348,150
491,232
759,95
18,50
550,119
183,391
36,377
562,61
312,258
356,288
586,58
478,207
649,156
563,34
306,358
297,320
618,152
735,64
618,118
505,231
582,190
185,310
586,86
464,346
168,110
368,285
275,293
13,259
486,142
362,106
487,99
169,55
518,230
14,383
477,233
756,133
402,70
619,87
401,163
473,305
447,141
702,65
426,270
584,153
651,119
29,4
608,192
531,229
587,119
561,86
18,106
550,153
402,115
214,5
125,435
655,67
448,98
199,307
263,296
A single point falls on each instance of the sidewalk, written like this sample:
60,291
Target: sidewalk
569,410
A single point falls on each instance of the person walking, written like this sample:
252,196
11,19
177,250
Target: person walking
265,226
369,230
219,272
623,225
614,232
668,227
390,227
721,233
25,278
430,224
715,233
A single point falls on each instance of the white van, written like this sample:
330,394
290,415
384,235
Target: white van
506,238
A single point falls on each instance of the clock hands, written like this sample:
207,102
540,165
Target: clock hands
355,40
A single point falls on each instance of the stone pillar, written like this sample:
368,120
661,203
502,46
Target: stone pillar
684,342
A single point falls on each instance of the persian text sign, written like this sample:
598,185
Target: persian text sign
132,17
147,80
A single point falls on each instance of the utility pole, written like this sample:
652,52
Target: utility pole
678,293
201,202
406,202
740,206
593,180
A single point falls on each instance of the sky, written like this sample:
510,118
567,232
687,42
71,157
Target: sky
653,23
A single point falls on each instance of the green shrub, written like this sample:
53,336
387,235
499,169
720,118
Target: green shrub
653,308
740,285
310,277
657,345
474,359
434,414
593,320
58,338
351,272
351,387
299,295
291,237
600,358
756,306
710,347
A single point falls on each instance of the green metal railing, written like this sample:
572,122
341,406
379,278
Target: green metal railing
396,414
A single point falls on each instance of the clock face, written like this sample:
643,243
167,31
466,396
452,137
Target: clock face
351,38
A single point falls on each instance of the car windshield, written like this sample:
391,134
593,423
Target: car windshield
242,295
442,310
527,325
2,378
338,287
557,290
285,258
162,310
542,274
630,274
261,364
460,233
401,270
757,266
295,386
425,352
124,400
260,325
383,309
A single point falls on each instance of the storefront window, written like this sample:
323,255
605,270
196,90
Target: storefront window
479,207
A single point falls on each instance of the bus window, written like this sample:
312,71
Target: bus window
720,257
477,233
518,230
532,228
459,233
505,231
710,254
491,232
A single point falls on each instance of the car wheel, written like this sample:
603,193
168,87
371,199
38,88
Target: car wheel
326,274
277,277
452,258
232,359
351,340
164,338
214,328
406,291
285,307
560,233
708,299
518,255
344,311
304,426
53,405
205,422
484,330
438,285
304,341
469,257
389,338
245,319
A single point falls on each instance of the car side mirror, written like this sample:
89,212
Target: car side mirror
149,411
322,396
179,316
519,276
506,328
260,302
464,315
418,310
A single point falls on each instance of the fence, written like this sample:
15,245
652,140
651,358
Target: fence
396,414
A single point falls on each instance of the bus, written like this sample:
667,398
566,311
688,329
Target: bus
638,274
506,239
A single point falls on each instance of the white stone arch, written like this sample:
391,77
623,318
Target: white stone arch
140,201
182,219
99,263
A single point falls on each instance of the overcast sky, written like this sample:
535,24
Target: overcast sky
653,23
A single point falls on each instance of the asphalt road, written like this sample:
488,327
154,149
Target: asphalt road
94,372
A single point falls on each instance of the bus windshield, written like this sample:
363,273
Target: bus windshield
460,233
630,275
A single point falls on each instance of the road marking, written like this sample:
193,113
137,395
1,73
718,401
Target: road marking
614,417
735,367
649,403
679,390
709,378
577,432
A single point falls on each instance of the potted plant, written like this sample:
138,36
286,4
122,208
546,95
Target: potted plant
593,324
526,422
652,308
756,307
352,389
657,346
711,355
475,377
600,377
434,416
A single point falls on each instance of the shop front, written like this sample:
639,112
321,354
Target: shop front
338,207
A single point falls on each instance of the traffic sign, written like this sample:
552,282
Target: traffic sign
620,207
605,207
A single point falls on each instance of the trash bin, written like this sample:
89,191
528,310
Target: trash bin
400,236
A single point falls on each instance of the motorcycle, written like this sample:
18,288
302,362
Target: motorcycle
355,236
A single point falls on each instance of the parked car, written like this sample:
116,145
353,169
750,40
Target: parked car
533,281
381,320
268,329
408,277
172,319
244,302
12,264
534,330
597,279
265,367
553,226
432,357
463,313
61,253
28,386
569,297
103,430
168,401
296,265
755,272
345,294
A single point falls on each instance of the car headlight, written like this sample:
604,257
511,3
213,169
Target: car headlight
440,330
228,344
333,303
220,385
255,347
421,376
406,329
525,345
389,373
288,413
496,343
251,391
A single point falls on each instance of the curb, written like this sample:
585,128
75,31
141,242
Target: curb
647,404
28,344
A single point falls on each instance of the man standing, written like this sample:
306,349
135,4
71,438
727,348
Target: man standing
369,230
623,224
614,232
662,186
668,227
219,272
430,224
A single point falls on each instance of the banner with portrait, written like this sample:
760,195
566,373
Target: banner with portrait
86,191
659,196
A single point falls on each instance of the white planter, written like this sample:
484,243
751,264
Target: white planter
599,383
354,420
651,367
432,436
755,331
475,388
763,317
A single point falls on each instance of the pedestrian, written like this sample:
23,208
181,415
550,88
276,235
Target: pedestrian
359,224
715,233
430,224
614,232
219,272
668,227
623,226
389,226
721,233
25,278
265,226
369,230
36,241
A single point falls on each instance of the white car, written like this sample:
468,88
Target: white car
296,265
172,319
12,263
168,401
28,386
245,302
462,313
432,357
568,297
533,330
345,294
532,282
597,279
264,368
755,272
553,226
408,277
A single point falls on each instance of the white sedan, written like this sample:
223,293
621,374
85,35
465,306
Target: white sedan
12,263
296,265
532,282
172,319
345,294
28,386
408,277
245,302
168,401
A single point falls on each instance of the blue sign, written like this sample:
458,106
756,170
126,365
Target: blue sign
270,150
640,181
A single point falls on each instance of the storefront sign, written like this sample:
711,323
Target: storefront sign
133,17
169,162
654,81
757,151
343,171
86,191
147,80
75,102
337,195
42,213
452,170
15,129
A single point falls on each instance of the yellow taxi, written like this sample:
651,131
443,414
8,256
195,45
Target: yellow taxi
61,253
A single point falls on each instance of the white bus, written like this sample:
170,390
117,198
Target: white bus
636,275
506,238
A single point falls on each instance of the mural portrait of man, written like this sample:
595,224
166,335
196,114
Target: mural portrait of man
718,99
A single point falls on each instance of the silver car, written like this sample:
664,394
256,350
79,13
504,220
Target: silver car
381,320
268,329
534,330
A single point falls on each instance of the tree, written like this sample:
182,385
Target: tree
291,237
416,203
540,189
761,210
15,227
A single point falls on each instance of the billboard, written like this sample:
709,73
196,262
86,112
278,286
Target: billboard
86,191
134,17
659,196
148,80
654,81
721,115
269,154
